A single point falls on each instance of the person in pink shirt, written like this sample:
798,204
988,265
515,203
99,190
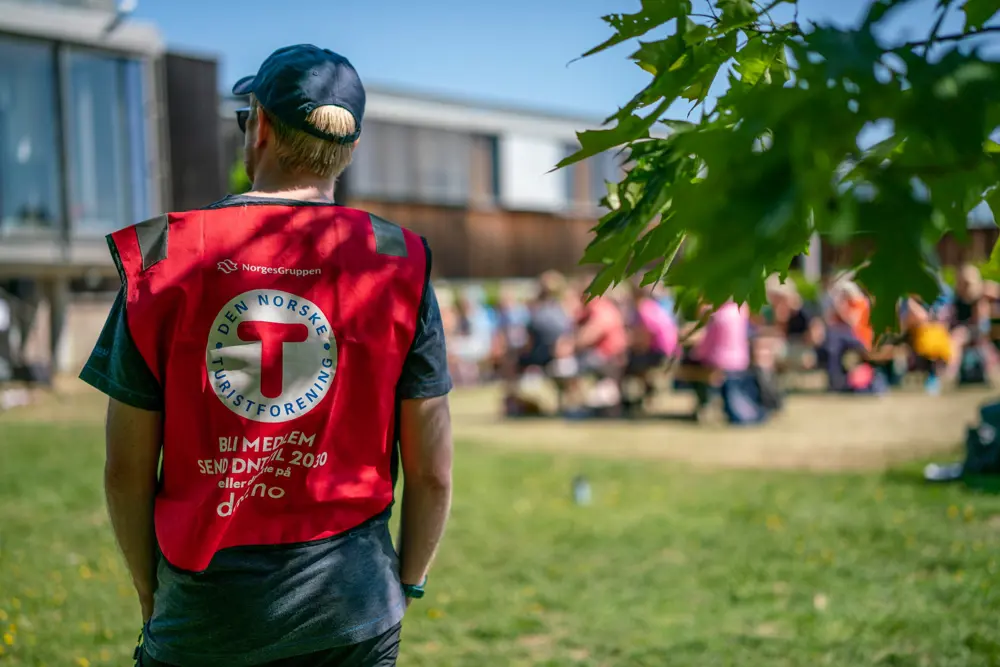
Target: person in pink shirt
601,335
725,342
599,348
653,337
659,324
652,330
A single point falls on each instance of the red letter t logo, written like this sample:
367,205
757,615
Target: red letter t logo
272,337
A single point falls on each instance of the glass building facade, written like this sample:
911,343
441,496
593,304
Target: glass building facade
74,159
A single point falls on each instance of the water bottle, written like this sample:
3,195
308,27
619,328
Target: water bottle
581,490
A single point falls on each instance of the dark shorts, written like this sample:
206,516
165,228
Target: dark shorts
538,356
640,363
380,651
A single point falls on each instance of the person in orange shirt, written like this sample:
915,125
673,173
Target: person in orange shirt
854,308
848,335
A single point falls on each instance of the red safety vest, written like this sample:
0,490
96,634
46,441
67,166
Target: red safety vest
278,334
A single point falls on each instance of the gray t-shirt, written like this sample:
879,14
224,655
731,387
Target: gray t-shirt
547,323
254,605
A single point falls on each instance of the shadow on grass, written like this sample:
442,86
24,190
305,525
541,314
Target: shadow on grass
913,475
678,416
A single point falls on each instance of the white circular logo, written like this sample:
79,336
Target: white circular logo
271,355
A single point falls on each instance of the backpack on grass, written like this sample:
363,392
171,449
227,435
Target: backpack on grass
982,451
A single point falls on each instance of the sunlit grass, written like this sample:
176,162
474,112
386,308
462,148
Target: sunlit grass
668,566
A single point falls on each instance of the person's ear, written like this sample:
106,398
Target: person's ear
263,128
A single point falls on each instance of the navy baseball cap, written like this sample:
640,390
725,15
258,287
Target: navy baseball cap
295,80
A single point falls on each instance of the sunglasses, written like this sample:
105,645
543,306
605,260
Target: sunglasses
242,115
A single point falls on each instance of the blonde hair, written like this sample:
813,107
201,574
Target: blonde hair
970,277
787,289
552,283
848,289
298,151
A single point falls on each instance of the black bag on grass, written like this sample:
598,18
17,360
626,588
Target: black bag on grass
982,451
982,444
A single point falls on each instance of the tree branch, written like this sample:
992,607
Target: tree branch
948,38
775,31
768,8
765,11
937,27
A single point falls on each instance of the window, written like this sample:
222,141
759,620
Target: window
526,178
443,160
407,163
604,167
135,112
105,118
570,174
493,147
484,175
30,170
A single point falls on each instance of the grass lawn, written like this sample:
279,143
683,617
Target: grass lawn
671,565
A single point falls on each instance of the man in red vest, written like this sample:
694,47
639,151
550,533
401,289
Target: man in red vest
282,354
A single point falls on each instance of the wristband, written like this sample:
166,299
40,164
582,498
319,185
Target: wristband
415,591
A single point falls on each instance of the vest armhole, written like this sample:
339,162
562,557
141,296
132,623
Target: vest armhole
116,257
428,264
120,243
421,307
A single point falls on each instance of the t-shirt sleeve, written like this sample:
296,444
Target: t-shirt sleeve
117,368
425,370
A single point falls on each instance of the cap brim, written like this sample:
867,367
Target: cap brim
244,86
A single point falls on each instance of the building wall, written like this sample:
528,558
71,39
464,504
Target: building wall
951,250
977,249
479,184
491,243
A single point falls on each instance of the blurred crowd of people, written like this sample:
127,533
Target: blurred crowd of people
613,354
605,355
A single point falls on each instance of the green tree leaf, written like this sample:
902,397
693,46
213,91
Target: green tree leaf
979,12
991,270
658,57
695,33
632,128
993,201
787,151
736,13
878,9
654,13
758,57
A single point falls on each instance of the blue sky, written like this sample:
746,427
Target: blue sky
514,52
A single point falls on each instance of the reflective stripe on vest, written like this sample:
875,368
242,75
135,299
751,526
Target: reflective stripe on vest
278,334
